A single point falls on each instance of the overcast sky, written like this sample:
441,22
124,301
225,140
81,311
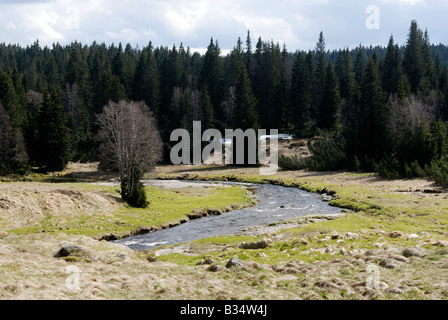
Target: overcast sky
297,23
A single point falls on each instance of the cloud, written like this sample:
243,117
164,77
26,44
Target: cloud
11,26
44,22
409,2
126,34
296,23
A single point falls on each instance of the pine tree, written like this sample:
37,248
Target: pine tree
53,145
211,75
12,102
248,57
330,100
171,74
245,113
146,80
413,60
111,89
100,65
13,156
78,75
319,74
391,70
373,113
429,77
300,93
207,109
344,71
359,64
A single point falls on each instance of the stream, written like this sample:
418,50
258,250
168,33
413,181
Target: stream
275,204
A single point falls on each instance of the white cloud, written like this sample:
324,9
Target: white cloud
43,21
410,2
270,28
126,34
185,18
166,22
11,26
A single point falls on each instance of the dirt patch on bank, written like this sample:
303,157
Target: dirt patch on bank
314,263
29,204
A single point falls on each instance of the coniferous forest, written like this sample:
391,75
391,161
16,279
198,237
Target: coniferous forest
382,109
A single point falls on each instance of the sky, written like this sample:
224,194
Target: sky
295,23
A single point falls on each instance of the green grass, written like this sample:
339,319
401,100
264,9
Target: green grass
166,206
373,212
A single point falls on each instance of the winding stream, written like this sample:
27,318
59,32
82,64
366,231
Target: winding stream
275,203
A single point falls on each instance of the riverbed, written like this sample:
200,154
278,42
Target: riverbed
275,204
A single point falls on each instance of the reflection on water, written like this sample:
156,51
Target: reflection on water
276,204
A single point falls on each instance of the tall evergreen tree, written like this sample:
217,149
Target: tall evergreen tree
391,70
53,145
412,59
207,107
78,75
211,75
330,100
171,73
344,71
246,116
12,102
373,114
429,77
13,156
146,80
300,93
319,73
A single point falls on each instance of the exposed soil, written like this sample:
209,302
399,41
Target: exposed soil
29,269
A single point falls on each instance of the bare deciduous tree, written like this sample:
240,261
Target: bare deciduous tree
408,115
129,142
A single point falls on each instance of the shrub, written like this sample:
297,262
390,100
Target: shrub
328,153
388,167
291,163
439,171
417,170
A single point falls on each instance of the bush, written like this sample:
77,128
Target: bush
133,191
388,168
357,165
417,170
291,163
438,171
137,198
328,154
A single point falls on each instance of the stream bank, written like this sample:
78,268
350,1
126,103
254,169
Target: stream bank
274,204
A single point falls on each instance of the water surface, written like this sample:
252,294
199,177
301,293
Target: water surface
275,203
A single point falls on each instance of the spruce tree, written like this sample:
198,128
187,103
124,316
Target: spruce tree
13,156
391,70
207,107
373,114
53,144
319,74
211,75
146,80
412,59
300,94
330,100
344,71
245,113
12,102
429,77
